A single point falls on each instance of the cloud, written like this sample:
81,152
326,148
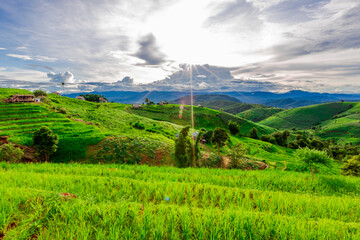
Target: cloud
149,51
126,80
28,57
2,48
19,56
65,77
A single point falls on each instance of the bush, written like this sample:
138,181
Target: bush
10,153
352,167
313,158
139,126
233,127
208,135
46,141
213,161
254,133
39,93
236,156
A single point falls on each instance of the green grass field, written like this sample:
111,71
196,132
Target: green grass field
140,202
259,114
203,117
19,121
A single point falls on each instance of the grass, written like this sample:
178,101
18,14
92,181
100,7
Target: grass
19,121
7,92
140,202
306,117
203,117
258,114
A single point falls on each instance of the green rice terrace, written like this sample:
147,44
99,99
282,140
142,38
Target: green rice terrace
50,201
116,173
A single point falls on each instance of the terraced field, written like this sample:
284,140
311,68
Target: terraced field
19,121
50,201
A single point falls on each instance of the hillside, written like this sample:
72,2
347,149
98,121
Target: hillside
306,117
203,117
50,201
19,121
344,127
258,114
290,103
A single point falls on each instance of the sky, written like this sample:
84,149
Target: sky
209,45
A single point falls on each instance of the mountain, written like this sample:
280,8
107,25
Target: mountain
130,97
200,99
290,103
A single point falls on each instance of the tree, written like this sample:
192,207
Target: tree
10,153
219,138
313,158
183,148
197,151
39,93
352,167
45,141
233,127
254,133
93,97
237,153
147,100
208,135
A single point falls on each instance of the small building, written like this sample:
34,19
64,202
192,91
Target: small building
80,98
103,100
21,98
162,103
136,105
200,106
57,93
194,135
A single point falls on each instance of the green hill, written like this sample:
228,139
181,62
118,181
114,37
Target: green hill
306,117
203,117
344,127
7,92
258,114
231,107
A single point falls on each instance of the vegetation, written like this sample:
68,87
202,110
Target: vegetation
219,138
234,128
258,114
10,153
50,201
313,158
40,93
46,142
93,97
200,200
352,167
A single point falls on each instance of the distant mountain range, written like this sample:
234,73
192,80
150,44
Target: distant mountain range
288,100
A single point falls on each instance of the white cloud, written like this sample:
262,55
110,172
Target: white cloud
65,77
19,56
2,48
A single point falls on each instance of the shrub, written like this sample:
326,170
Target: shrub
219,138
183,148
254,133
236,156
39,93
10,153
233,127
45,141
313,158
208,135
352,167
139,126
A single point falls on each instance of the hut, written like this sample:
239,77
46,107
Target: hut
80,98
21,98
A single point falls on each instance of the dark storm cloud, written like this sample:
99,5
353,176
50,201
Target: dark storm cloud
149,51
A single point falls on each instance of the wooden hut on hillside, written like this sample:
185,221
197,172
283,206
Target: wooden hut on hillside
21,98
